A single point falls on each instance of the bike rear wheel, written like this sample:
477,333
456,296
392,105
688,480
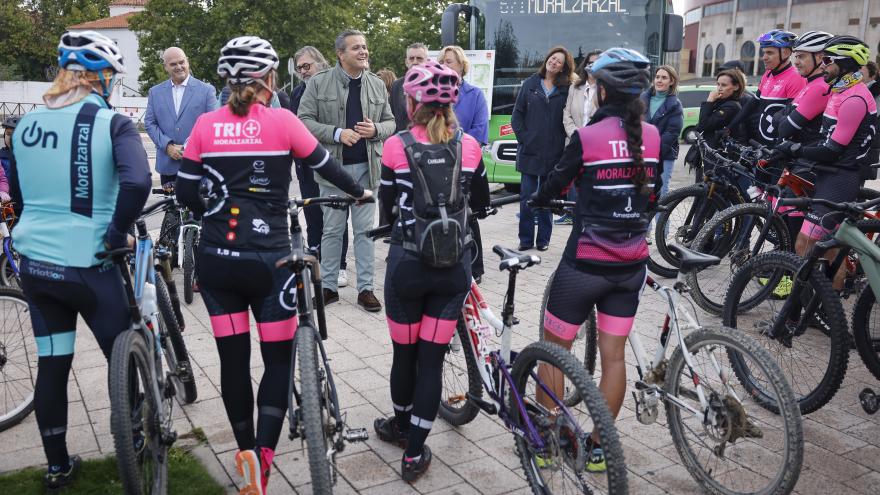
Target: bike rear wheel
866,330
174,346
814,358
461,377
737,445
141,453
18,358
189,264
584,347
8,270
560,467
313,411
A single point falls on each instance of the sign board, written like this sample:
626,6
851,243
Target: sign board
482,70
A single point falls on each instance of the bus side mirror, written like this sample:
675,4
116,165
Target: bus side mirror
449,22
673,32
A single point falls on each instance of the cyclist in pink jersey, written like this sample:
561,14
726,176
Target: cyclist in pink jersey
843,158
422,302
779,85
245,152
615,163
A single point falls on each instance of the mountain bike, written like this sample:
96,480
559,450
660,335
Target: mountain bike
805,327
18,358
314,413
727,441
148,368
9,259
180,234
551,439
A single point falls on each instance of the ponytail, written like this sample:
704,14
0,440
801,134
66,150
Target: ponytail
632,125
439,121
241,98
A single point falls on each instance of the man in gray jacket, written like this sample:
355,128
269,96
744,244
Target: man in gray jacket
346,108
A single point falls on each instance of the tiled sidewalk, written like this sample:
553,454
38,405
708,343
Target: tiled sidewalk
842,442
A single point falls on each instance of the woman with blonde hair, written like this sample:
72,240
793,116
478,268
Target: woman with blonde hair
663,110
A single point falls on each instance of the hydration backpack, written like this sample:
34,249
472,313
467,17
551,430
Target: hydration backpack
439,234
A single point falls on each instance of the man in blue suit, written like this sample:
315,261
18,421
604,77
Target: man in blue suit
172,109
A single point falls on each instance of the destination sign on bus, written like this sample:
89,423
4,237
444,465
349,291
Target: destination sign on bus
561,7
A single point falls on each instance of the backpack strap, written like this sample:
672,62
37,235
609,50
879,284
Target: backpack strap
415,170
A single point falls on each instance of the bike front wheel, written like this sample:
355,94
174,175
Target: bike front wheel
174,347
18,358
735,445
559,464
141,447
189,264
313,412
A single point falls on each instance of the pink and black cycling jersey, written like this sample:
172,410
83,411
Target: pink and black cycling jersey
849,125
611,211
776,91
802,122
246,162
396,179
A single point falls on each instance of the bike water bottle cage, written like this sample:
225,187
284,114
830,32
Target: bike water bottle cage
439,232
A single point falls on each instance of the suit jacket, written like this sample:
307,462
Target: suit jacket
398,106
164,126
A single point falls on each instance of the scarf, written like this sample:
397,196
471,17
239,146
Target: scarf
847,81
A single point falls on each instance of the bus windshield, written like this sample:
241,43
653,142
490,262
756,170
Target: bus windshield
522,32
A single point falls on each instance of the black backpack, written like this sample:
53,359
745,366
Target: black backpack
439,235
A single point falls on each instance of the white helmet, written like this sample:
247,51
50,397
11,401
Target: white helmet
245,59
812,41
90,51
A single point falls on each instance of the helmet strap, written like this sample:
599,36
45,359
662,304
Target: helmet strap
106,86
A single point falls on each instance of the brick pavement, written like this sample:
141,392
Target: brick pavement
842,442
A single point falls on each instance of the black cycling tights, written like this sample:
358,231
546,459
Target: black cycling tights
416,385
238,394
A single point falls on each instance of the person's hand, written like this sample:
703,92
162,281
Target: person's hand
174,151
366,129
713,95
537,201
789,148
5,197
349,137
368,193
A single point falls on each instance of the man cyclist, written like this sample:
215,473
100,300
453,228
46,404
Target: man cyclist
779,85
842,158
81,174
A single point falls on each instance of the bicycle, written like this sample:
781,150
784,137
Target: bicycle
551,442
810,317
313,410
694,386
9,259
18,358
180,234
148,368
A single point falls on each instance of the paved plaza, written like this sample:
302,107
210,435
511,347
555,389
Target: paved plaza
842,452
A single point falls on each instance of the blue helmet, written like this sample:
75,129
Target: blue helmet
89,51
622,69
777,38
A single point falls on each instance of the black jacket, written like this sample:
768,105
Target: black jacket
668,119
537,123
398,105
715,116
295,97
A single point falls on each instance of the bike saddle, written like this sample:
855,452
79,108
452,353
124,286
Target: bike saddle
691,260
511,258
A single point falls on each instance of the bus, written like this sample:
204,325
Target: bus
522,31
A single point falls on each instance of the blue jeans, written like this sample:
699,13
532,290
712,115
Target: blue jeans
529,185
666,175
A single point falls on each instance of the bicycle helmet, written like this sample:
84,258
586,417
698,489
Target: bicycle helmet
848,47
11,121
777,38
812,41
622,69
432,82
89,51
246,59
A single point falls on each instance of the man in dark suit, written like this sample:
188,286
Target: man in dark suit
416,53
172,109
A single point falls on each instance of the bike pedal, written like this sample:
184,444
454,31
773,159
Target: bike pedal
489,407
356,435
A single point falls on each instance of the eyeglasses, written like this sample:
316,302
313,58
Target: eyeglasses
830,60
303,67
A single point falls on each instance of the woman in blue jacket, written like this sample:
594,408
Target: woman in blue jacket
663,110
537,122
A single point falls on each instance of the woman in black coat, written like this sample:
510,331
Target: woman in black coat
721,106
663,110
537,122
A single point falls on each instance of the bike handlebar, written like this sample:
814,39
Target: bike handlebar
379,232
157,205
331,201
850,208
506,200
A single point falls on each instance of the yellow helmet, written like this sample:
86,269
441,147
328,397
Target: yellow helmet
849,47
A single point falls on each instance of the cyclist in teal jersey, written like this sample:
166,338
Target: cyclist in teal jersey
80,172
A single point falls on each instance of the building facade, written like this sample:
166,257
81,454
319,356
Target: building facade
716,31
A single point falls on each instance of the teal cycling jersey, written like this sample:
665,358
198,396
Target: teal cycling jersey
82,176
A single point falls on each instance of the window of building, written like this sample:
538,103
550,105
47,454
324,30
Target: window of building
719,54
718,8
762,4
707,61
747,56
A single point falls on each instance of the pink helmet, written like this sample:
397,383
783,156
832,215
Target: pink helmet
431,83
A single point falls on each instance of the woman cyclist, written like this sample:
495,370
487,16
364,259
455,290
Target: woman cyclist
81,173
245,150
615,161
422,303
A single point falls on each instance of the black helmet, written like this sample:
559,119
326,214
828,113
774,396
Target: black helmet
622,69
11,121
